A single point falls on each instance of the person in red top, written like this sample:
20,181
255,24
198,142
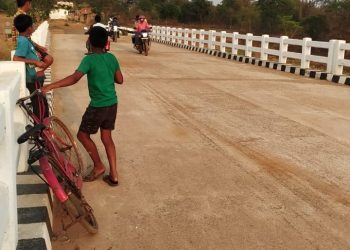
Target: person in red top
142,25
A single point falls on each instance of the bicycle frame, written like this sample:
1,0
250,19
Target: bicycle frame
48,143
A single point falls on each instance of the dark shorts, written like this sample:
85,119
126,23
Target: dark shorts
95,118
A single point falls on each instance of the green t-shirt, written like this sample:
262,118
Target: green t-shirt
100,70
26,50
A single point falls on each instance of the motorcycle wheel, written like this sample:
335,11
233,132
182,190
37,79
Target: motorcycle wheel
139,48
146,47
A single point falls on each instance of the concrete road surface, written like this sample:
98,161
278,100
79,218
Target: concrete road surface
214,154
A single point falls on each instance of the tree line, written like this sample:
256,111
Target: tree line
318,19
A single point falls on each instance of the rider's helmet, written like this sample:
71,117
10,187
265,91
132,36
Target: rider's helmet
142,18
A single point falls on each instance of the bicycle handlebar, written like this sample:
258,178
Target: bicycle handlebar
36,92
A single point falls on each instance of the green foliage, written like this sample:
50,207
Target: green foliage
289,26
8,6
169,10
195,11
338,18
320,19
273,11
41,9
315,27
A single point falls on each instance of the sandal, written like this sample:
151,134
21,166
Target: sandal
92,176
109,181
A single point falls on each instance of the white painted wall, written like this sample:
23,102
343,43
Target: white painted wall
59,14
13,156
9,155
40,34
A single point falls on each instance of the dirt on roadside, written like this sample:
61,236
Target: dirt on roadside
64,27
6,45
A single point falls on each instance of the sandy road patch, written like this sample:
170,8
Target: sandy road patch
215,154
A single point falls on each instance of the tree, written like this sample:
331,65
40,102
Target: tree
169,10
338,18
289,26
315,27
273,11
8,6
41,9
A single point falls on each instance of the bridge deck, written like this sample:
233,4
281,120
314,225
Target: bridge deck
215,154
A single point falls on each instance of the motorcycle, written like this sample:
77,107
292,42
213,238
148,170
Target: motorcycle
113,30
144,42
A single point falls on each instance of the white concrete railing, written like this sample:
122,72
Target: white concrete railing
12,124
13,156
234,42
40,34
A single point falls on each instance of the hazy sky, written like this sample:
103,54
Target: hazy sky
216,1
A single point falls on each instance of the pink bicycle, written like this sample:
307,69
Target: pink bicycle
60,163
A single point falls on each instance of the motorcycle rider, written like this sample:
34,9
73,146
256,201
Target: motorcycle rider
142,25
113,25
96,24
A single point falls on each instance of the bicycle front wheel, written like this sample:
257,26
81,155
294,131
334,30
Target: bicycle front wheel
76,205
66,143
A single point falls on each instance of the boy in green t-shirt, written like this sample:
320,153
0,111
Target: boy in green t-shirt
102,71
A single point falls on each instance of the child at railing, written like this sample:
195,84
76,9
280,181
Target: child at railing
102,70
25,52
23,7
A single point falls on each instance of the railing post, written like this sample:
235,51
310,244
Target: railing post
338,54
163,33
173,35
248,45
264,47
283,49
235,43
186,36
306,51
179,35
157,33
223,41
168,34
193,37
212,39
201,38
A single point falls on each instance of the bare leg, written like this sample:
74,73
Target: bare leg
106,137
91,148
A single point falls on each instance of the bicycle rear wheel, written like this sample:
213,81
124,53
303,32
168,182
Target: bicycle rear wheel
65,141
